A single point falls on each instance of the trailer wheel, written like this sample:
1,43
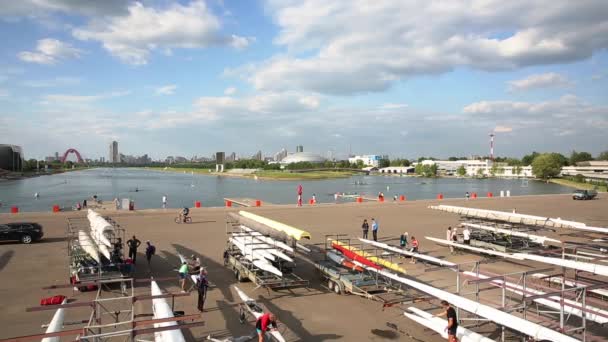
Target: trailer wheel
330,285
338,288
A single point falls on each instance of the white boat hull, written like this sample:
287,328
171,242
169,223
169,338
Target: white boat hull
246,299
438,325
161,309
55,325
88,245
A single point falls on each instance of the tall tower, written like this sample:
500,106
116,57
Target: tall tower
114,156
299,148
491,146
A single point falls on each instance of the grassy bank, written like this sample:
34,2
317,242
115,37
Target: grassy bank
178,169
280,175
577,185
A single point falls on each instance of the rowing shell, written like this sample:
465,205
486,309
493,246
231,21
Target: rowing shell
256,310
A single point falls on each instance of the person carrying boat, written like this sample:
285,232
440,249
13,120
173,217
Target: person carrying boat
365,227
183,273
265,323
194,264
450,314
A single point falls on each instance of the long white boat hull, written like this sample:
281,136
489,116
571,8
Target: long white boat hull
255,247
161,309
55,325
502,318
438,325
408,253
532,237
579,265
518,218
268,240
88,245
258,260
246,300
263,246
471,248
103,249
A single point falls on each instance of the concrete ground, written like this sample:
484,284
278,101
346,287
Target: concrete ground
312,314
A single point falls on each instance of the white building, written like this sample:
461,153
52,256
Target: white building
590,170
472,168
368,160
114,156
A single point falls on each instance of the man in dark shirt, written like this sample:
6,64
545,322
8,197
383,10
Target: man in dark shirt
365,228
133,243
450,314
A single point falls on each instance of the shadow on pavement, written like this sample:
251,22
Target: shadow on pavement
5,258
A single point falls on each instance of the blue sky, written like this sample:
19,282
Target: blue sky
194,77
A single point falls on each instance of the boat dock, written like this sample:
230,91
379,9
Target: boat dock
245,202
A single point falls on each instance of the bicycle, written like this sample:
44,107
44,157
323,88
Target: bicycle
180,219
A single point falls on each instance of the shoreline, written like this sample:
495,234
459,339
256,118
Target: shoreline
265,174
12,176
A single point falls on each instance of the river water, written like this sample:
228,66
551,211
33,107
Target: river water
182,189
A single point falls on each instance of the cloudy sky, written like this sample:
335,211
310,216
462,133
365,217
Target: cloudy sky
397,77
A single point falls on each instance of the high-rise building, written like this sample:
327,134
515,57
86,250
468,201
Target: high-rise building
56,155
257,156
280,155
114,157
299,148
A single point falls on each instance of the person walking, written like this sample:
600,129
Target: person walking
164,201
467,195
375,229
84,203
314,199
202,284
403,240
300,192
133,244
365,228
150,251
450,314
183,274
264,323
466,235
116,203
448,236
414,248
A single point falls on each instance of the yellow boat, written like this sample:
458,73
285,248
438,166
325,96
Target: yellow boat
296,233
379,261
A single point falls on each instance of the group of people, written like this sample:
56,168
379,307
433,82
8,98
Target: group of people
194,267
375,227
452,235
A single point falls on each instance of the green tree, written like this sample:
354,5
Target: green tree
360,164
513,162
493,170
462,171
577,157
384,163
527,159
602,156
547,165
480,173
419,169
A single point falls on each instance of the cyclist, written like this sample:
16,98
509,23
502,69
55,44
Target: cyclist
184,214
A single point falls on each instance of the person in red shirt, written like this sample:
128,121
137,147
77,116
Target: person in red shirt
414,248
263,324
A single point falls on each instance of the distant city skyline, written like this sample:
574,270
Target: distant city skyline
331,75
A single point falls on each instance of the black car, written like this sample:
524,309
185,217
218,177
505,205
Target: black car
26,232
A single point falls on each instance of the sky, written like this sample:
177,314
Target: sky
397,77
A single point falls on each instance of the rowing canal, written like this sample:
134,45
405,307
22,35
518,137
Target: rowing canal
182,189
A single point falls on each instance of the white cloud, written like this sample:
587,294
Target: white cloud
68,100
55,82
50,51
503,129
394,106
547,80
230,91
133,37
166,90
38,8
353,46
